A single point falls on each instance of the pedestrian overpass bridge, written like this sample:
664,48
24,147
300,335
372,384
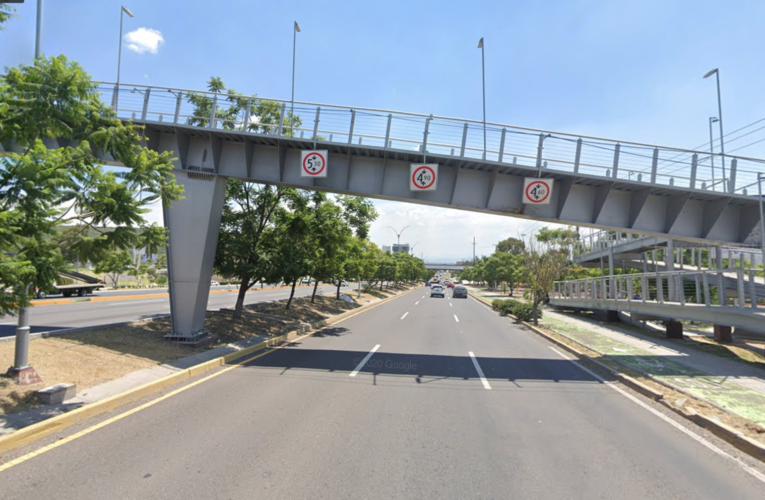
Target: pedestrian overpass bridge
444,267
618,185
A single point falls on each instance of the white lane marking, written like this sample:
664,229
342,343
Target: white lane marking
480,372
450,304
417,302
754,472
404,316
364,361
456,318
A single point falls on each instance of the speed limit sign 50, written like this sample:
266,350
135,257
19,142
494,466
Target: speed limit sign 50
537,191
313,163
423,176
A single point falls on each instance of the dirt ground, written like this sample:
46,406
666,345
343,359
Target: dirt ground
93,357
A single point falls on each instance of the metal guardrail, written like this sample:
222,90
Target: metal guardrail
547,151
601,240
677,287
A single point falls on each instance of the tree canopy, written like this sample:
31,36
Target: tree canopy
44,188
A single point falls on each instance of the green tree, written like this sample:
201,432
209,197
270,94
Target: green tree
328,235
511,245
6,12
42,190
245,247
113,264
230,110
542,266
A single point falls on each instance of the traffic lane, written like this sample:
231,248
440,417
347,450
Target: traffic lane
81,314
283,430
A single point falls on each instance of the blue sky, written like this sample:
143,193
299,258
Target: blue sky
622,69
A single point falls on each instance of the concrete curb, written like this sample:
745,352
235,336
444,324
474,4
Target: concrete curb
719,429
39,430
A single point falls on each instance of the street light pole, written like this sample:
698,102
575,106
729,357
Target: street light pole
115,100
38,33
716,72
712,119
398,234
483,83
295,31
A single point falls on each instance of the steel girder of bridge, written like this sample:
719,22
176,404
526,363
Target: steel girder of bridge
444,267
597,182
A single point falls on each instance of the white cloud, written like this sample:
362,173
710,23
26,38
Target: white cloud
144,40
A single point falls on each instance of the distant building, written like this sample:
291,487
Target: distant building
386,248
403,247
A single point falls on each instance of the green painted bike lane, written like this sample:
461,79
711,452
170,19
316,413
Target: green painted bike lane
732,397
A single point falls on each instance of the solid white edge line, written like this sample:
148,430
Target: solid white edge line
404,316
754,472
456,318
480,372
364,361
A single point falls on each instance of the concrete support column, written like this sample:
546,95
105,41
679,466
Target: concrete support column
723,333
674,329
193,224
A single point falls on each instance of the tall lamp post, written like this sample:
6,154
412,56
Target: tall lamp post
712,119
411,250
38,32
483,84
123,11
716,72
398,234
295,31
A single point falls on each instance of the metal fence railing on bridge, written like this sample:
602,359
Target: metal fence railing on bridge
545,151
705,288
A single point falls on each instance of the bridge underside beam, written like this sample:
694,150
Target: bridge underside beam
679,214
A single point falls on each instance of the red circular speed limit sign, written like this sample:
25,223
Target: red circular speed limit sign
537,191
423,177
314,163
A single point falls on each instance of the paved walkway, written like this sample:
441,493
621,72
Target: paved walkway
732,385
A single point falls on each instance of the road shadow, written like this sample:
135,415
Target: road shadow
10,330
424,368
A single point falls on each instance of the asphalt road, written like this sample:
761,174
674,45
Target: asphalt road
417,421
75,314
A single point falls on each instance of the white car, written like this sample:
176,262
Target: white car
437,290
214,283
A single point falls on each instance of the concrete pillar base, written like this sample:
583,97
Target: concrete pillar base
723,333
24,376
674,329
612,317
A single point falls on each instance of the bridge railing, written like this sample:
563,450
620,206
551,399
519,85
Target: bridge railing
538,150
702,287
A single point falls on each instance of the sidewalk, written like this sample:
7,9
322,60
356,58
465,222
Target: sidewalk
728,384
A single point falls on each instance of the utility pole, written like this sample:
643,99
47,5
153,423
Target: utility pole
473,251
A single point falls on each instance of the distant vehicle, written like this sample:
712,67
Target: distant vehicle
81,285
427,283
449,284
214,283
437,290
460,292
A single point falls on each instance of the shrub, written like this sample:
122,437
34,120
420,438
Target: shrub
525,311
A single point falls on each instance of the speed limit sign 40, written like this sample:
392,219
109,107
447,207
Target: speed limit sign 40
537,191
423,176
313,163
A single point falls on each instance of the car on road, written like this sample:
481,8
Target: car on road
449,284
460,292
214,283
438,291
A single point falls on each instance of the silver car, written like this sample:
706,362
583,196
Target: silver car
437,291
